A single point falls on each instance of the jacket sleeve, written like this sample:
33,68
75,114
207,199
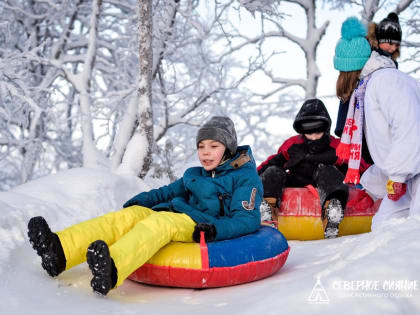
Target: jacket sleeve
341,118
156,196
402,112
275,159
282,155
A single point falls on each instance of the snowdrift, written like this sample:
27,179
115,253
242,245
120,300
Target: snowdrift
378,271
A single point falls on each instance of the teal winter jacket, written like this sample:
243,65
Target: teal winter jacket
228,197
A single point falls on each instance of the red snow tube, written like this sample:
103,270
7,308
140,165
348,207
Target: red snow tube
216,264
299,216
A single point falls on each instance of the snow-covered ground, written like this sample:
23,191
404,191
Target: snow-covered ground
373,273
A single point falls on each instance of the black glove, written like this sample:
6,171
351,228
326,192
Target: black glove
328,157
209,232
297,154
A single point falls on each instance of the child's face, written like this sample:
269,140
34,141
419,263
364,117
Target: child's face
314,136
210,153
389,47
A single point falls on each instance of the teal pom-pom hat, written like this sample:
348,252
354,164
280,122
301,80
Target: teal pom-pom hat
353,49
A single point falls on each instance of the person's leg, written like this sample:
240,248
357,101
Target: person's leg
333,195
64,249
390,209
409,204
273,180
329,182
136,247
414,191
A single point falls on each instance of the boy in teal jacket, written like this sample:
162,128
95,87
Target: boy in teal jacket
221,199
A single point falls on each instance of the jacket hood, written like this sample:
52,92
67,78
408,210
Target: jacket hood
376,62
312,117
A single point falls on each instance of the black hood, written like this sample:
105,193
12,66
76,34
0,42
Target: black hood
312,117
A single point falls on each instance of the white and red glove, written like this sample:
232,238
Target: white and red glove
395,190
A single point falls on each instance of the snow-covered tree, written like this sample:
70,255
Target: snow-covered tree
77,89
134,148
70,88
273,16
56,58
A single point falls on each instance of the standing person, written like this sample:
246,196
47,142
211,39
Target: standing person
351,53
385,37
309,159
221,198
385,107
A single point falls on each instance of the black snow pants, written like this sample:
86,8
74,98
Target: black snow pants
327,179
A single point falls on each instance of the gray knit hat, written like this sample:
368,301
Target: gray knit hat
219,128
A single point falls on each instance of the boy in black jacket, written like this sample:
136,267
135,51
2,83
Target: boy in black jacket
309,159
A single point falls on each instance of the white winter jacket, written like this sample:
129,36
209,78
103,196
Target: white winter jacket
392,119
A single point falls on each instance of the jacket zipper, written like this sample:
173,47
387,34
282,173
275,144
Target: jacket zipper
213,174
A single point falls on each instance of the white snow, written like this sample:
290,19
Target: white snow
373,273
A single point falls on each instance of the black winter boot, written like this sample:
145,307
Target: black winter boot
47,245
102,266
329,183
334,214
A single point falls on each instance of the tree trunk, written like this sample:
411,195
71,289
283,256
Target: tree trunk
145,88
313,38
92,157
137,157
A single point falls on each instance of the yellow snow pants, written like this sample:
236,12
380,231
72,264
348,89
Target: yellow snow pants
133,234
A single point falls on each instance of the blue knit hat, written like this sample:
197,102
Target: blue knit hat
353,49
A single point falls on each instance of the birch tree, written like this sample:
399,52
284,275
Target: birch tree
81,81
138,142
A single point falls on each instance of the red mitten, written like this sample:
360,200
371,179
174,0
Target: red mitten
395,190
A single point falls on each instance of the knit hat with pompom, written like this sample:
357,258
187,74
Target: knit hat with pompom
353,49
389,29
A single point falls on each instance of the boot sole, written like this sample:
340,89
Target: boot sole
38,232
41,239
99,261
333,222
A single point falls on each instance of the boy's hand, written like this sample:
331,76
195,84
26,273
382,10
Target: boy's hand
297,154
326,157
135,201
209,232
395,190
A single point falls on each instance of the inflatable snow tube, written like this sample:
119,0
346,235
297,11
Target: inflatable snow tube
216,264
299,216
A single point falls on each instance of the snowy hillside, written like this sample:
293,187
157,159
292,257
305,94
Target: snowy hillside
376,273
